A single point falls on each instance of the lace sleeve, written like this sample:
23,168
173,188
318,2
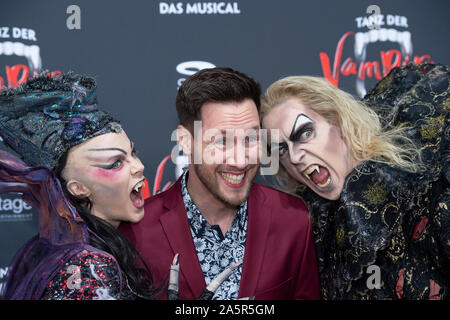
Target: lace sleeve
86,276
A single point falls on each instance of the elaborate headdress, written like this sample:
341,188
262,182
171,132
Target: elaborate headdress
43,118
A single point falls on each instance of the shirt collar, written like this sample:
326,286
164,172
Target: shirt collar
195,216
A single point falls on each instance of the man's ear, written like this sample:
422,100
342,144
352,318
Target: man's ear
184,138
78,189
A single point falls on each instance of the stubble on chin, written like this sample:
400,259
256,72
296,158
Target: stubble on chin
211,183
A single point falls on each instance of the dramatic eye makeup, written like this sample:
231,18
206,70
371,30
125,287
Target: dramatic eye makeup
302,129
119,158
115,165
283,149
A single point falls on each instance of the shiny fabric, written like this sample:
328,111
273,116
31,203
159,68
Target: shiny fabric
387,217
88,276
42,119
280,260
216,251
62,233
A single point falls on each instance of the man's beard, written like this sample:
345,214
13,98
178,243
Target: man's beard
208,181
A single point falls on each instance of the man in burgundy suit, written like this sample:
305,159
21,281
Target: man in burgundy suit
214,215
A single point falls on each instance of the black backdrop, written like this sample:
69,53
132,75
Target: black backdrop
140,51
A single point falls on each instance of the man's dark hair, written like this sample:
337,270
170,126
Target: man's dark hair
213,85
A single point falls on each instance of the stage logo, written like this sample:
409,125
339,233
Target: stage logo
386,34
20,59
20,55
14,210
199,8
18,43
188,68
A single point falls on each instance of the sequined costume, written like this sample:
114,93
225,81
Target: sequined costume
88,275
41,124
396,221
41,121
61,251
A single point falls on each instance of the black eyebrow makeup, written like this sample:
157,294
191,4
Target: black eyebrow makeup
101,166
109,149
282,145
107,159
300,121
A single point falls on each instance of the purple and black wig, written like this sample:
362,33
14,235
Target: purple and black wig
45,117
40,121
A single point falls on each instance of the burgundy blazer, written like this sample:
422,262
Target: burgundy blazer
279,258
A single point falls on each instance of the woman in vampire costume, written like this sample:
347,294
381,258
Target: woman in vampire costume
80,171
375,176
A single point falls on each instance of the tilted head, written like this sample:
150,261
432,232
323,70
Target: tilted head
54,122
324,134
224,147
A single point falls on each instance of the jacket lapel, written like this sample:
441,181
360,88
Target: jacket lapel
176,227
259,218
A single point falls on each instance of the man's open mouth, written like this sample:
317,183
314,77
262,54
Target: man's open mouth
234,179
319,175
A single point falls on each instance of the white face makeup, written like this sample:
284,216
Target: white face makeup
301,131
110,174
311,149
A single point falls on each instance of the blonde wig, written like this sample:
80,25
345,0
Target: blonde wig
360,126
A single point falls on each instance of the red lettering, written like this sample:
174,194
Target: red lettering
389,60
425,57
386,60
19,74
12,74
146,190
348,67
158,179
369,68
54,73
333,78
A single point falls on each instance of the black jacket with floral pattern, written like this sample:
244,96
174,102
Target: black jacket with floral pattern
388,235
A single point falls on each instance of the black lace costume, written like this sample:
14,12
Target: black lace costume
387,217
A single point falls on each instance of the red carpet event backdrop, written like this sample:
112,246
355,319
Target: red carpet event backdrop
141,51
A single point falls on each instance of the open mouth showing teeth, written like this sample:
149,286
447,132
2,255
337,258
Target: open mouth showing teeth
136,195
234,179
319,175
138,185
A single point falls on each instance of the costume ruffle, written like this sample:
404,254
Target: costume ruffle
62,233
388,217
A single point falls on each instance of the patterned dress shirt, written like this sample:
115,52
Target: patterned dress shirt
216,251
